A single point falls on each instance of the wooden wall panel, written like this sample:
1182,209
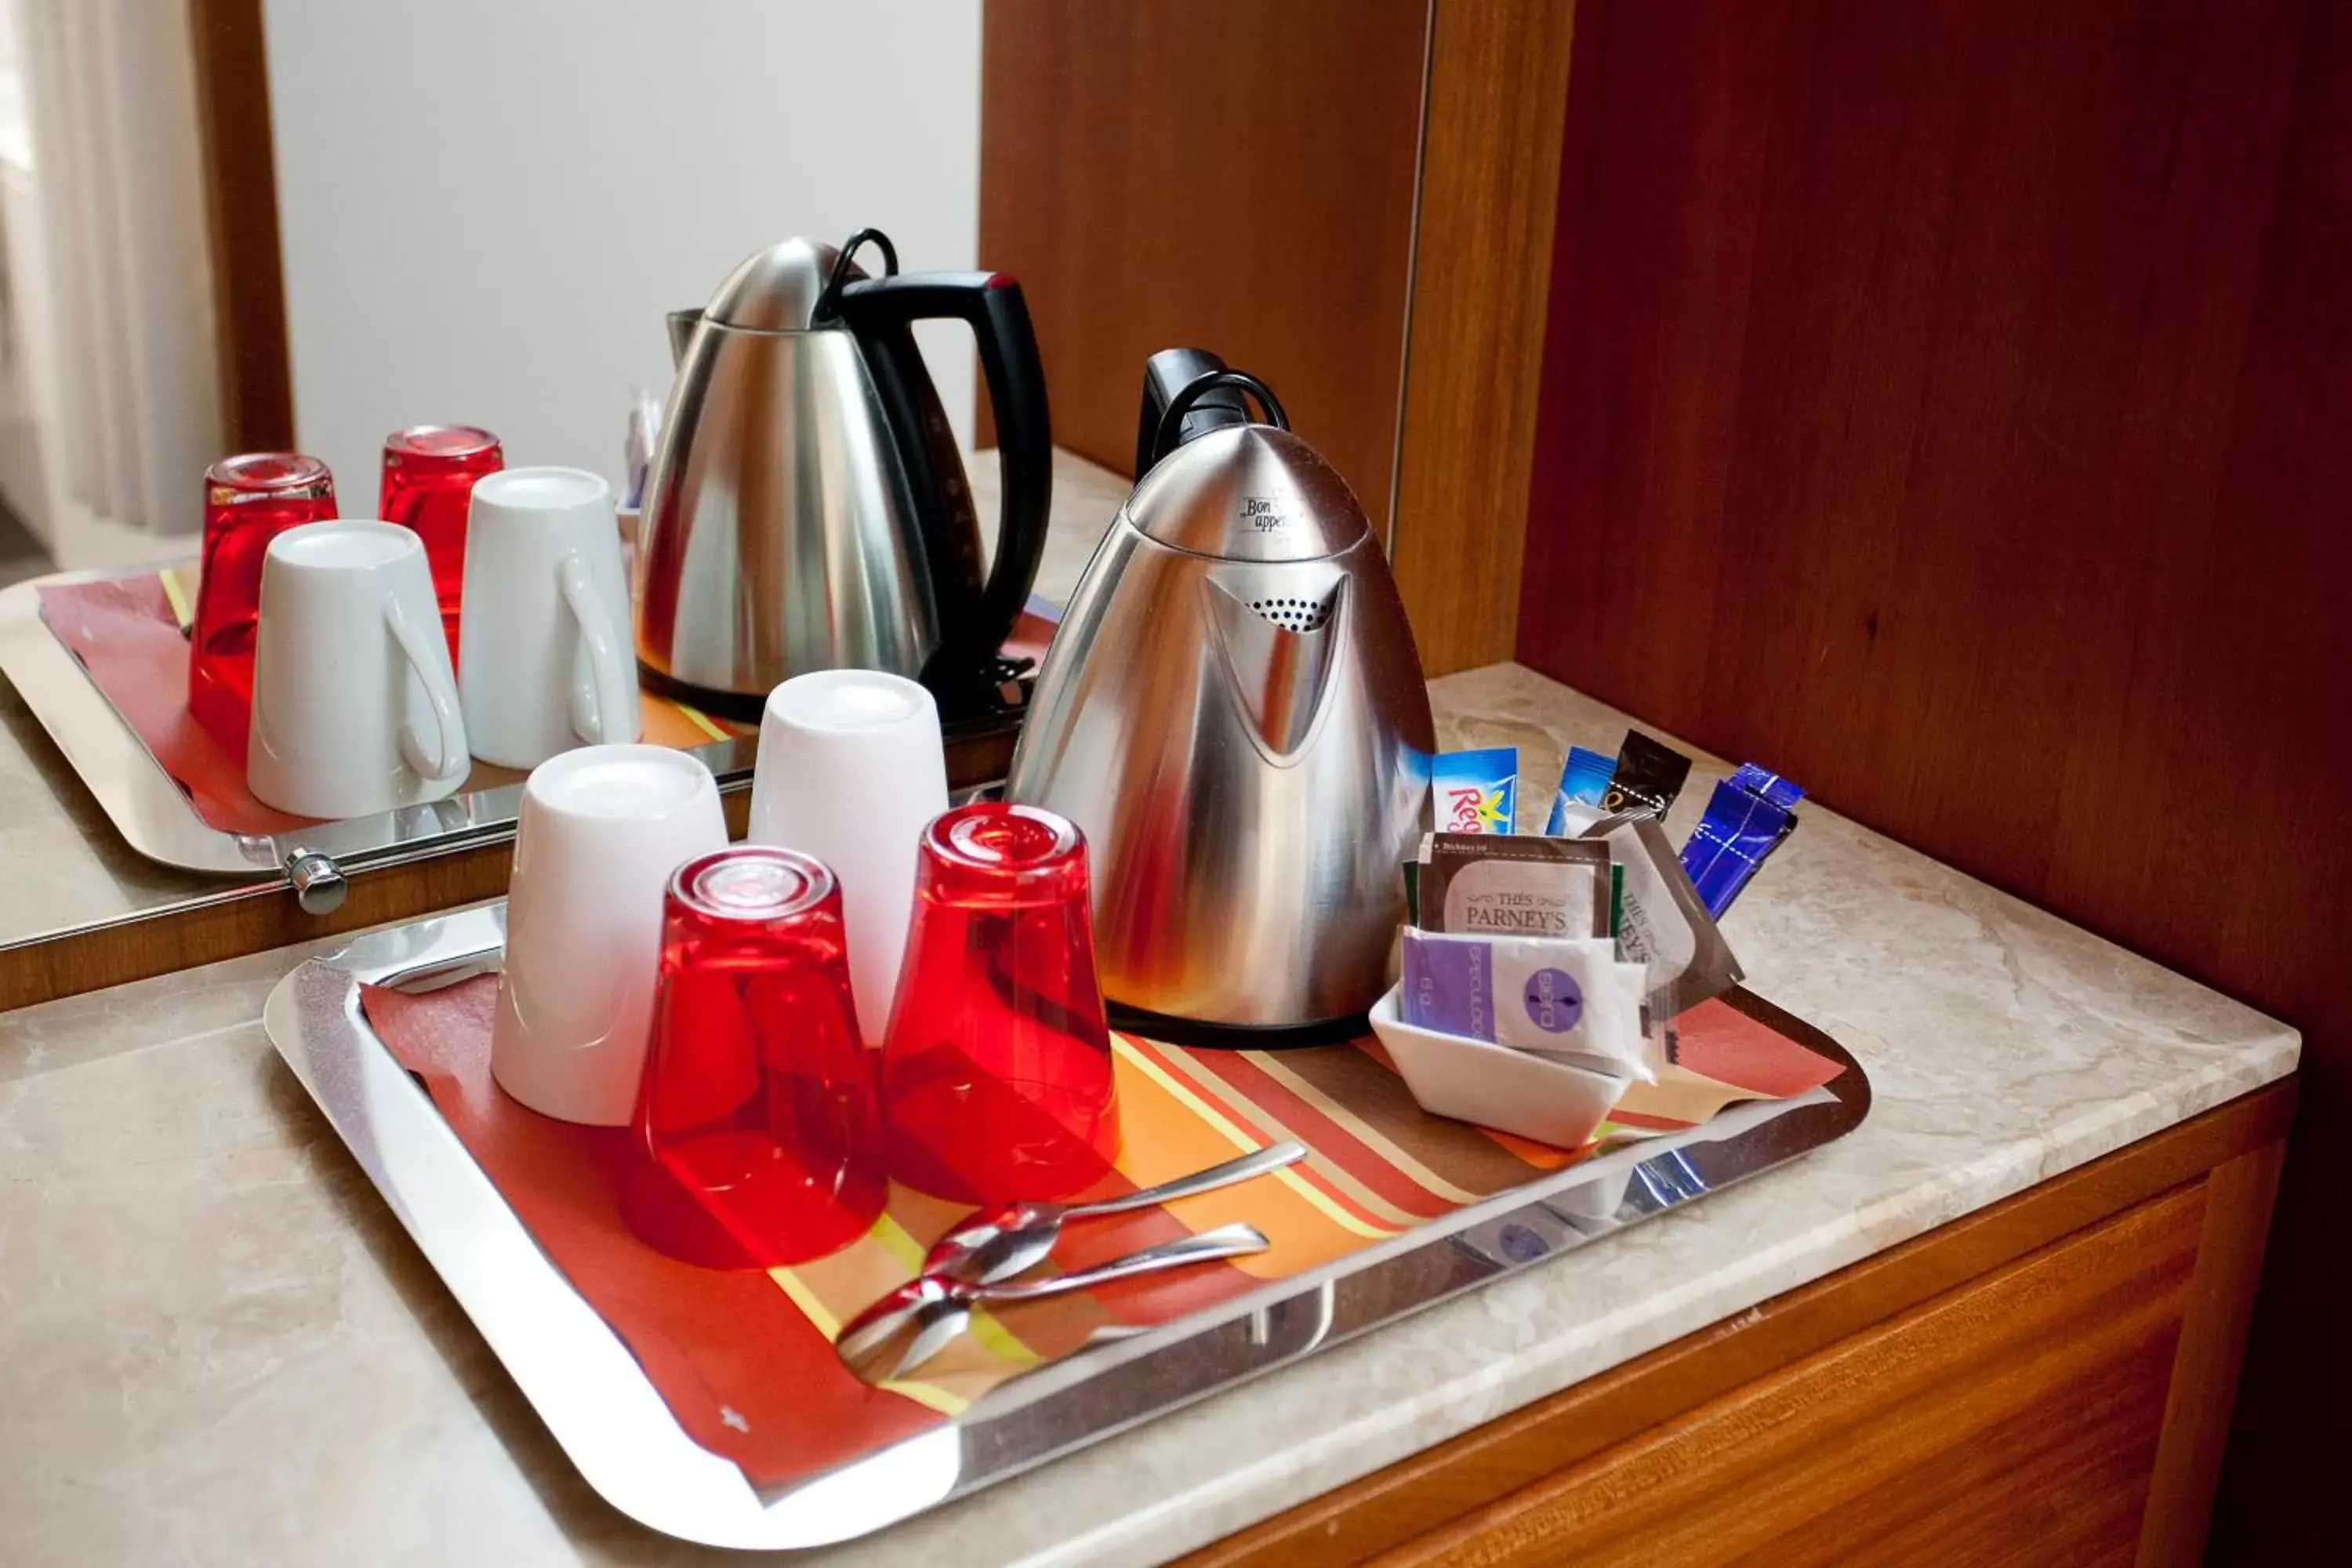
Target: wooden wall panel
1497,84
241,215
1235,177
1951,406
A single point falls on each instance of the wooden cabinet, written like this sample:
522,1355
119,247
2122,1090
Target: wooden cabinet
2046,1381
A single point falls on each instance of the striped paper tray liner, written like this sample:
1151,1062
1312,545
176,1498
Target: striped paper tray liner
743,1356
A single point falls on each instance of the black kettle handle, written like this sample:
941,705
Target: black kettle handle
881,310
1165,375
1171,418
846,259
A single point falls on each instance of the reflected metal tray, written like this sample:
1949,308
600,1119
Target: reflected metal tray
610,1420
156,819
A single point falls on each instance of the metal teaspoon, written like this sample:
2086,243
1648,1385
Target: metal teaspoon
924,1316
999,1243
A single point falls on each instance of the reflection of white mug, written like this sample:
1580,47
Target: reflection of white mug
354,711
544,652
602,828
851,769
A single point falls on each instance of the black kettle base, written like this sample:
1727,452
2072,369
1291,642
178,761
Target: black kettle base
968,709
1195,1035
733,705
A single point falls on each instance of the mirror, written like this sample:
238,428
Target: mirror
446,213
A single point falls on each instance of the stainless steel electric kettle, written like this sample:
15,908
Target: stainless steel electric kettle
1234,711
806,508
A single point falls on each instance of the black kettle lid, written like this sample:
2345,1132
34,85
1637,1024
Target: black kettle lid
1215,483
1166,375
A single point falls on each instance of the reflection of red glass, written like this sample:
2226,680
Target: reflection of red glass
428,480
758,1095
248,502
997,1073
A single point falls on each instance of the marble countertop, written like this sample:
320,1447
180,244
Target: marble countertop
217,1344
68,870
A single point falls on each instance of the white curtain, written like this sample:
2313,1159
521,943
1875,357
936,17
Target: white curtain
111,91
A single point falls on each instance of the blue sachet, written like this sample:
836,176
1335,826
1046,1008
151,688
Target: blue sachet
1583,778
1746,817
1782,792
1476,792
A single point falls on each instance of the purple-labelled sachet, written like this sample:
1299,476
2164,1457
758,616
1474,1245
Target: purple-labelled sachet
1553,1000
1449,986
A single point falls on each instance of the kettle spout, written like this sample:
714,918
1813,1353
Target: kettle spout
681,332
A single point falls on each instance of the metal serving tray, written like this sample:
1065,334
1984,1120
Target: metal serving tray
583,1381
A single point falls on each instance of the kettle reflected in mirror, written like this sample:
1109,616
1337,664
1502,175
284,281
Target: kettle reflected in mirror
807,507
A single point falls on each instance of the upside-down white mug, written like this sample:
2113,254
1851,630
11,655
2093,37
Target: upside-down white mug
851,769
544,658
602,828
354,711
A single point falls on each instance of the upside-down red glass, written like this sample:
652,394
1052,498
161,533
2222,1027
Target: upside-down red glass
758,1095
248,502
997,1076
428,480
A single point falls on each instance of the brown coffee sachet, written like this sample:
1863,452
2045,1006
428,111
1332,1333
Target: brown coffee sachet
1649,775
1477,884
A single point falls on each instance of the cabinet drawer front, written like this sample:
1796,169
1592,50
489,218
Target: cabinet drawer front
2015,1420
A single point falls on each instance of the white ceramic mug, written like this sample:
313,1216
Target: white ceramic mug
545,661
602,828
851,770
354,711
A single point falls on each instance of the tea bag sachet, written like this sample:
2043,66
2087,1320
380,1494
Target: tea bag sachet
1474,884
1662,923
1569,997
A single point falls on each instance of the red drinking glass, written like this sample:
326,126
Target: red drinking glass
248,502
428,479
758,1095
997,1069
